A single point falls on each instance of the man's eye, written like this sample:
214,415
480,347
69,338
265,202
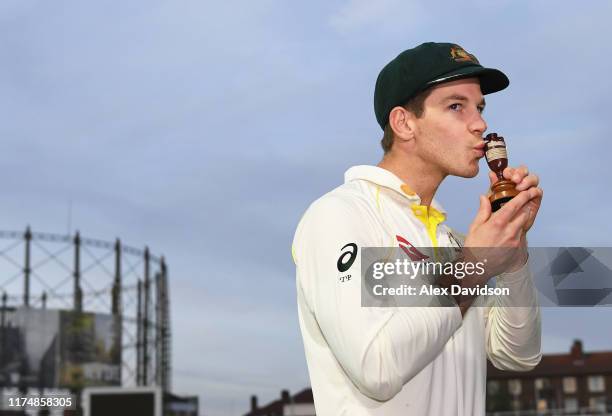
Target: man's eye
455,107
480,109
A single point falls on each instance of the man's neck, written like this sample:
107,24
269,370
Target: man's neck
415,173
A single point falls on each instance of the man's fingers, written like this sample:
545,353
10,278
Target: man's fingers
516,175
535,192
528,182
515,227
509,210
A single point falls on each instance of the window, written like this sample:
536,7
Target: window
569,384
514,387
596,384
597,404
542,383
538,383
492,387
571,404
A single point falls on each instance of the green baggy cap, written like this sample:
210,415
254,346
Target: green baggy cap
431,63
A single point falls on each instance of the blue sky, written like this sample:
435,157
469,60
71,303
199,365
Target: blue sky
205,129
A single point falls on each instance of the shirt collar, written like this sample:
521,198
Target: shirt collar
385,178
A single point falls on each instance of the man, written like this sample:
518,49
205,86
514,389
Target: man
417,360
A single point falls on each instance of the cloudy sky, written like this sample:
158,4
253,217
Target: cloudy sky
205,129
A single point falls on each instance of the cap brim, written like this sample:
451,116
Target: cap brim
491,80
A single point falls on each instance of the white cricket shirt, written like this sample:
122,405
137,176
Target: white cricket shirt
397,361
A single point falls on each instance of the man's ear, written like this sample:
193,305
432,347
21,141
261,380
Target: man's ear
401,122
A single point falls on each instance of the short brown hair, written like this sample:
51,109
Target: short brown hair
416,106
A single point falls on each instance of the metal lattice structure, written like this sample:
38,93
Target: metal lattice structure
54,271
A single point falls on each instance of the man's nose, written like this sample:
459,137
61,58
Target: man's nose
478,125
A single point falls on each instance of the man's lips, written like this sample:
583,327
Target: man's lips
479,149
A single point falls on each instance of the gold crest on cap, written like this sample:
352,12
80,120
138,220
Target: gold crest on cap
460,55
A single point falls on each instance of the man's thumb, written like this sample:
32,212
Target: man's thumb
484,211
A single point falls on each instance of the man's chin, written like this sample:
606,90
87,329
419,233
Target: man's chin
470,172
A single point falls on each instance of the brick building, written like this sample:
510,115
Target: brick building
300,404
562,384
575,383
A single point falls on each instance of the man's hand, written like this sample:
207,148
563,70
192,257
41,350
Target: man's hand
500,237
509,225
523,180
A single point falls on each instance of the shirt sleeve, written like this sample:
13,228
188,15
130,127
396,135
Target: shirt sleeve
513,323
380,349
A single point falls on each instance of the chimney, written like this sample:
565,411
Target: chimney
285,396
576,351
253,403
